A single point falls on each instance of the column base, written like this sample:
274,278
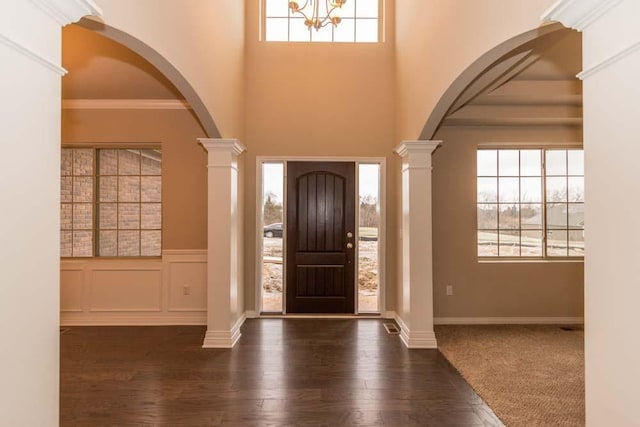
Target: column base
418,339
224,339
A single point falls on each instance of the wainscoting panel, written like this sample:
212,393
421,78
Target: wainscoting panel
166,291
71,289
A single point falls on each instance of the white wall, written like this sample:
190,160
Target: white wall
612,201
30,39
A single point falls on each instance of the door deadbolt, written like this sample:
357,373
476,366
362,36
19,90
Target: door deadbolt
349,234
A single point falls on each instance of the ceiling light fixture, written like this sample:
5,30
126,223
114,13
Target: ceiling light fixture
315,16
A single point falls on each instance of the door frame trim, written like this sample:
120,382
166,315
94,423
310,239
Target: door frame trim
382,241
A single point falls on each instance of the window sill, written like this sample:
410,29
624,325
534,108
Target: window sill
530,260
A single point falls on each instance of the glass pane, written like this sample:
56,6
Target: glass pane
276,8
348,10
108,162
83,161
82,243
108,218
369,195
82,216
128,243
576,189
557,243
66,162
298,32
556,216
272,246
487,163
345,31
576,162
557,189
509,217
82,189
366,8
277,30
487,190
108,243
531,243
531,216
151,243
324,34
576,243
487,216
366,30
128,216
531,189
108,188
509,243
129,162
151,214
66,190
576,215
509,190
66,244
530,163
129,189
151,189
508,162
556,162
487,243
151,162
66,216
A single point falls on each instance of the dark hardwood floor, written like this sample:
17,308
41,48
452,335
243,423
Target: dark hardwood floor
283,372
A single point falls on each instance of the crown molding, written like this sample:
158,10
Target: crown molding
125,104
65,12
588,72
578,14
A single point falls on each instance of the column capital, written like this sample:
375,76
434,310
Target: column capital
231,145
407,148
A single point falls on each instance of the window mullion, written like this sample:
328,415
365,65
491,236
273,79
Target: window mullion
544,202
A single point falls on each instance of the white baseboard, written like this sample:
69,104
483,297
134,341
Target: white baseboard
416,339
251,314
389,314
132,319
508,320
224,339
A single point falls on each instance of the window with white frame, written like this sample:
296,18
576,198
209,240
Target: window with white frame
111,202
530,203
359,22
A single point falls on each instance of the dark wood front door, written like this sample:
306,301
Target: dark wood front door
320,237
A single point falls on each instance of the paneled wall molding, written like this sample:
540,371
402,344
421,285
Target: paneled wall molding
32,54
578,14
416,315
184,252
125,104
65,12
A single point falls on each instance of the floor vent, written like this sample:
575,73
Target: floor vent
64,330
391,328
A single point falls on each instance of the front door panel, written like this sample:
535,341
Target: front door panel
320,237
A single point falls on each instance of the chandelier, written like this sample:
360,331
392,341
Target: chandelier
316,16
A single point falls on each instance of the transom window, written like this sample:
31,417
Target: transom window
359,23
111,202
530,203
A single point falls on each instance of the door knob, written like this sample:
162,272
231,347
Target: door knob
349,245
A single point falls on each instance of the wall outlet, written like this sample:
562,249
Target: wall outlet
186,290
449,289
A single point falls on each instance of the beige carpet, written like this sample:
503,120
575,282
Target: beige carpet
528,375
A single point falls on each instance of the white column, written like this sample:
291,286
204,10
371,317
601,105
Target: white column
223,316
611,89
30,49
416,313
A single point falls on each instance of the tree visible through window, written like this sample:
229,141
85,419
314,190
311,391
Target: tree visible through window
111,202
530,203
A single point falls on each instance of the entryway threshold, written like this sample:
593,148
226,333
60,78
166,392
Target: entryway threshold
320,316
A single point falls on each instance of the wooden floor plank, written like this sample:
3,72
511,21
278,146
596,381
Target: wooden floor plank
283,372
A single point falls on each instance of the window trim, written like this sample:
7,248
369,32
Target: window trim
544,146
95,204
381,19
